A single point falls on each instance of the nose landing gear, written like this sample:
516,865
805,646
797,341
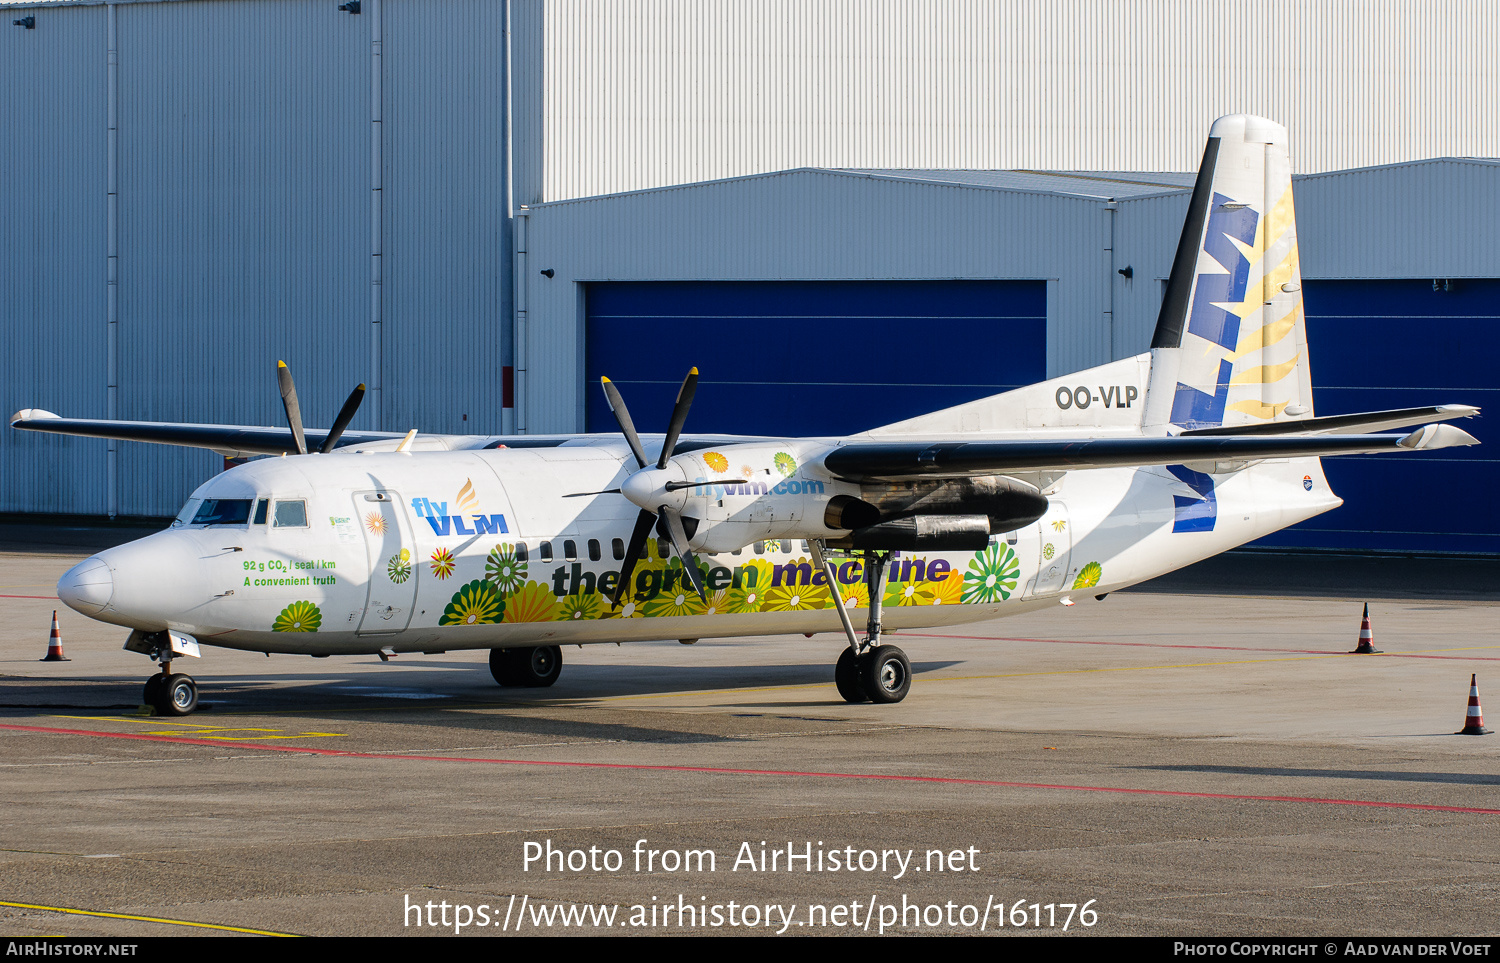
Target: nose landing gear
171,693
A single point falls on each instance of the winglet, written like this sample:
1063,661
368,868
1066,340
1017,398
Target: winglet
29,414
1437,436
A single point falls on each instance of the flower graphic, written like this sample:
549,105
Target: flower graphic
907,593
715,461
992,574
681,601
785,464
1088,576
576,608
477,603
1048,551
503,569
532,602
948,591
399,567
442,563
375,522
796,598
773,545
298,617
856,596
1060,524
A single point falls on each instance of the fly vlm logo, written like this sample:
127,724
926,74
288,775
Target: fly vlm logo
467,506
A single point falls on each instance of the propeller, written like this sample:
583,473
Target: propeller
294,411
655,490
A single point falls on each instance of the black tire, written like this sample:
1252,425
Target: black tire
534,667
177,696
885,674
846,677
152,691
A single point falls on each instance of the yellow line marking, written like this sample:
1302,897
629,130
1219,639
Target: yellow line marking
145,919
200,731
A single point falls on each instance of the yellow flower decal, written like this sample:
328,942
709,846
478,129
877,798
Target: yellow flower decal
856,596
442,563
949,591
399,567
532,602
907,593
577,608
1060,524
477,603
795,598
716,461
375,522
785,464
679,601
298,617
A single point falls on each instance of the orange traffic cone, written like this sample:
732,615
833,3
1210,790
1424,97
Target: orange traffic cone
54,644
1474,718
1366,637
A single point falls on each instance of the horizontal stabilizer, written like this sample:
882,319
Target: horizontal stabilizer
1363,422
889,461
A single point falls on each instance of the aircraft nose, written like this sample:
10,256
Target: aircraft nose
87,587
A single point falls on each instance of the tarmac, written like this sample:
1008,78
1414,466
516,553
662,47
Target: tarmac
1200,756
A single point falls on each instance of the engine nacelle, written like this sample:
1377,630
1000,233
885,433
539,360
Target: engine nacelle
921,533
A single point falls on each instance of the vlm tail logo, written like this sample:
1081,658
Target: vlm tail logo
467,504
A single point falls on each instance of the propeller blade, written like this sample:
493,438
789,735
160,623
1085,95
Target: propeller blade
289,402
679,415
679,486
644,522
346,415
680,543
607,491
622,415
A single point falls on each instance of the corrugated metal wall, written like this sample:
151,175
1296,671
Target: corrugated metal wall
812,225
659,92
52,253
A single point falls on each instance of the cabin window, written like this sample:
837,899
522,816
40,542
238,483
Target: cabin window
595,554
663,548
1012,538
291,514
223,511
521,552
736,551
617,548
570,550
546,551
760,548
260,510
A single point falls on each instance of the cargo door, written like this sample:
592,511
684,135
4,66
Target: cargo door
391,556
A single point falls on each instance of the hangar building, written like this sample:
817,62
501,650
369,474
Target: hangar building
842,213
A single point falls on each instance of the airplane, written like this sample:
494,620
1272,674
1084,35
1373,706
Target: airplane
359,543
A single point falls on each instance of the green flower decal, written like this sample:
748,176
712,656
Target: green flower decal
1088,576
399,567
577,608
1048,551
478,603
785,464
503,569
992,574
298,617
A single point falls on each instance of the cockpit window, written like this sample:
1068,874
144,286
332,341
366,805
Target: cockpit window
189,510
260,511
291,514
223,511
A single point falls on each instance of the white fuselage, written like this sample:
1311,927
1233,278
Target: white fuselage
432,551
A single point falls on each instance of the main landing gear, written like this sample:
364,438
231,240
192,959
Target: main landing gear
530,668
868,671
171,693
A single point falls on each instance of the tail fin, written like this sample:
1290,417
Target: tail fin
1230,346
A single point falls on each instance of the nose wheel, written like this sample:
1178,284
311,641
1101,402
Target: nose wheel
531,668
171,693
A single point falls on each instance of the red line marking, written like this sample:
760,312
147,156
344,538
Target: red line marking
1218,648
717,770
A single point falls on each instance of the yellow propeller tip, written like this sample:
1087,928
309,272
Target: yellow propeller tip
281,364
604,380
694,371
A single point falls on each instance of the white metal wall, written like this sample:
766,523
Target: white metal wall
651,92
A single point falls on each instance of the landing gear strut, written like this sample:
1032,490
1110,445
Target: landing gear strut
868,671
531,668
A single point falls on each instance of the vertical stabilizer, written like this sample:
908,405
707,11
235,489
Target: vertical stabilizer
1230,346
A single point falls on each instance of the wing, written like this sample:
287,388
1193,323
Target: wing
895,461
226,439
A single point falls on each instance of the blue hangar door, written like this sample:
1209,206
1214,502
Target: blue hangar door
808,357
1379,344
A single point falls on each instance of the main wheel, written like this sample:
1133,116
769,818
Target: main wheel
532,667
885,674
176,696
846,677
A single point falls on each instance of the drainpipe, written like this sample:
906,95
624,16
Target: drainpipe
522,286
377,229
1112,210
112,261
